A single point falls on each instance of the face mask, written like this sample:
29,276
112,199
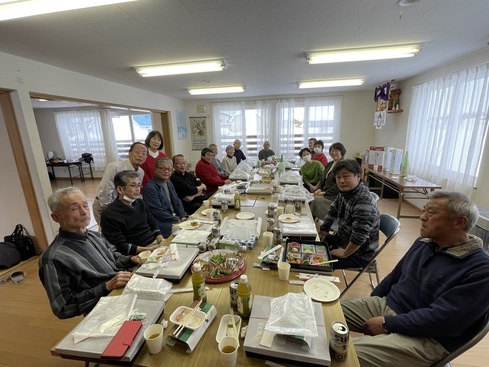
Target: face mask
306,158
128,199
317,150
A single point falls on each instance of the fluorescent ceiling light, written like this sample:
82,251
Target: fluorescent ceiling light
181,68
27,8
216,90
362,54
330,83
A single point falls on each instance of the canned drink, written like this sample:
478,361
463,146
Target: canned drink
215,232
340,336
215,216
298,206
224,206
277,236
270,224
233,295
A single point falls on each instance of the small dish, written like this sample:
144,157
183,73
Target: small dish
226,327
288,218
321,290
190,224
245,215
180,315
207,212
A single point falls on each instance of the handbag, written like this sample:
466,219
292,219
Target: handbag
9,255
22,241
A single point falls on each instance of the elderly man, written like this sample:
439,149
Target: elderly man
238,153
106,192
266,152
161,198
215,161
434,298
79,266
208,173
127,222
189,188
356,209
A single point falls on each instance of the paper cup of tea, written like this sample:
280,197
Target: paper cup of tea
283,270
268,238
206,203
228,349
154,338
144,256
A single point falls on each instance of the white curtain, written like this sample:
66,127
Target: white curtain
80,132
286,115
448,125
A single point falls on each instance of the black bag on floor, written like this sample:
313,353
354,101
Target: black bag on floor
22,241
9,255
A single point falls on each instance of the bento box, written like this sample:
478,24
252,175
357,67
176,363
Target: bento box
308,256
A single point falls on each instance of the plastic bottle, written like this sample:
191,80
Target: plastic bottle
237,202
245,297
281,165
405,164
198,283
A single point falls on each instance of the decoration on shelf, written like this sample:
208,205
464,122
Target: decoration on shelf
382,92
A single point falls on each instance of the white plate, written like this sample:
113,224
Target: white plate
180,315
321,290
288,218
206,212
245,215
190,224
226,327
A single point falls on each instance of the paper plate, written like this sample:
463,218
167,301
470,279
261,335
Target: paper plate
181,317
221,265
288,218
321,290
206,212
245,215
190,224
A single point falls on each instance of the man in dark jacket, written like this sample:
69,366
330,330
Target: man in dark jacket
434,299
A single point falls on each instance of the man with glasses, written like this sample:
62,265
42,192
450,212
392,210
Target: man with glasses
80,266
127,223
208,173
189,188
162,200
106,192
357,237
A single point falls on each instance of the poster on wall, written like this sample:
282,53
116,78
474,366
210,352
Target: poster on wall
181,125
198,131
379,119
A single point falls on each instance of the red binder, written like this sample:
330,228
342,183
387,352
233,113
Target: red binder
122,340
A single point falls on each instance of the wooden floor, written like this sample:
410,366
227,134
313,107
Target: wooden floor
29,329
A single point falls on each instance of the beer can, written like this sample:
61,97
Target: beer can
224,206
298,206
340,336
270,224
233,295
215,215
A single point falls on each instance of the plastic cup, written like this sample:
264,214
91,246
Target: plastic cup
154,338
268,238
144,256
228,349
283,270
206,203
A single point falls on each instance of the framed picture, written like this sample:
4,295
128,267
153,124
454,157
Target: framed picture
198,132
181,125
379,119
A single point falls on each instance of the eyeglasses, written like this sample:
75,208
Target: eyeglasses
16,277
162,169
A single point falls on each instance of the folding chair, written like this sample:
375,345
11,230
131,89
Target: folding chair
478,336
389,226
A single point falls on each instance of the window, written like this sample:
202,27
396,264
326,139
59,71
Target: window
129,126
448,126
286,123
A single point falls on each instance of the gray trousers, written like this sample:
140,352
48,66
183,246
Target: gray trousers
387,350
319,207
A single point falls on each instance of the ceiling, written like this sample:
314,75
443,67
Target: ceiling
262,42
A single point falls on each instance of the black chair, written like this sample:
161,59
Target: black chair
389,226
478,336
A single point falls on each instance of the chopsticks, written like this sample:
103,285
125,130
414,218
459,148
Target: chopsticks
327,262
187,320
235,331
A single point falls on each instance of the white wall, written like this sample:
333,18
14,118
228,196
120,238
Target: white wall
22,77
357,116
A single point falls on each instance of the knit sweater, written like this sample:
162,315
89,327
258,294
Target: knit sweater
439,293
74,270
128,226
358,220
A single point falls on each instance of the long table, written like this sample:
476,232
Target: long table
263,282
407,189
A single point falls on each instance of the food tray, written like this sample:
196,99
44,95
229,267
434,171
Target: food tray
226,327
181,314
307,256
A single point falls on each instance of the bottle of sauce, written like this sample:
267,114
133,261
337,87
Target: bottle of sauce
245,297
198,283
237,202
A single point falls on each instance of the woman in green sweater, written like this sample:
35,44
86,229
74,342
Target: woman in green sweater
311,171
